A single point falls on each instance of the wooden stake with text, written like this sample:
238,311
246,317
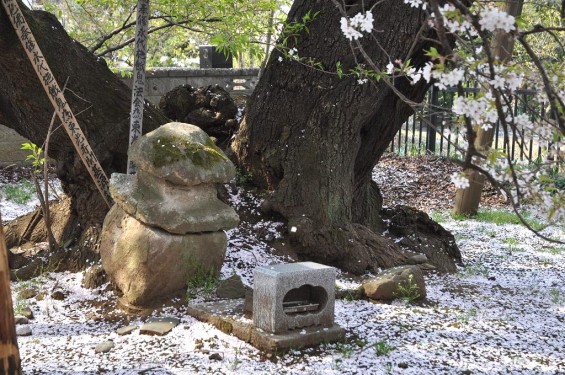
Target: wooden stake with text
138,87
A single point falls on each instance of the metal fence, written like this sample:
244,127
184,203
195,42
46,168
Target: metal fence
416,137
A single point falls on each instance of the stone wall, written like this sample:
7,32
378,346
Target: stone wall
158,83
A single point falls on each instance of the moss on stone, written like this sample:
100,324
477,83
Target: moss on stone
169,150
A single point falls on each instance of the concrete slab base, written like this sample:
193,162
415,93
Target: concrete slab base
228,316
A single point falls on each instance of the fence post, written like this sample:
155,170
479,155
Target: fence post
431,131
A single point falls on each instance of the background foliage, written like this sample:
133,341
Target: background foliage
177,28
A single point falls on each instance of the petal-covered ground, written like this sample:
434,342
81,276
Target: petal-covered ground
504,312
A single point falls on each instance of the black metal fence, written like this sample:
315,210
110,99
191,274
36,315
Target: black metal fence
425,134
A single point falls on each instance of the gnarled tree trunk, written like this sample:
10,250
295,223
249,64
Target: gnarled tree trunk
313,139
101,103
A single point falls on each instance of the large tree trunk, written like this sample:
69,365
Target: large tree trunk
101,103
313,139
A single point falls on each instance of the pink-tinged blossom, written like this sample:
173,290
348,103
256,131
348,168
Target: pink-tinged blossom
416,3
497,82
347,30
352,28
514,81
448,79
460,181
493,19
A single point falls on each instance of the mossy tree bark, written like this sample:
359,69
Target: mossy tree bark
101,103
313,139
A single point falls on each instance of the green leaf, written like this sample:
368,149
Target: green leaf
339,69
433,53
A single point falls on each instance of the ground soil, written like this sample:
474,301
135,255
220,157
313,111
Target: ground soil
423,182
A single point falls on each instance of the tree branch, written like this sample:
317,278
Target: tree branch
169,23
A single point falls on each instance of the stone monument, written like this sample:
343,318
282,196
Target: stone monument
167,224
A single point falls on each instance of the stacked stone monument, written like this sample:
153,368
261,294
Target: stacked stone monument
167,224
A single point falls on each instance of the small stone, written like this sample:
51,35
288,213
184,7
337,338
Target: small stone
58,295
403,365
417,259
20,319
198,344
427,267
23,330
231,288
385,285
40,296
27,293
26,311
94,277
126,330
159,326
104,347
215,357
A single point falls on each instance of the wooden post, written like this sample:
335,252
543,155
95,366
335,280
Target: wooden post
57,98
467,200
9,352
138,87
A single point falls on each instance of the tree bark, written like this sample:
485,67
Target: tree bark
101,103
313,139
9,354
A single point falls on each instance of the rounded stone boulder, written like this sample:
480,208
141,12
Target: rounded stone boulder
182,154
390,284
149,264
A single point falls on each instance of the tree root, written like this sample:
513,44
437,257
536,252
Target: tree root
354,249
79,249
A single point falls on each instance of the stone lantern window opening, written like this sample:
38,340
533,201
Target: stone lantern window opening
306,299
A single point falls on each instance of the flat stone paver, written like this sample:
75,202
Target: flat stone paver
228,316
159,326
126,330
